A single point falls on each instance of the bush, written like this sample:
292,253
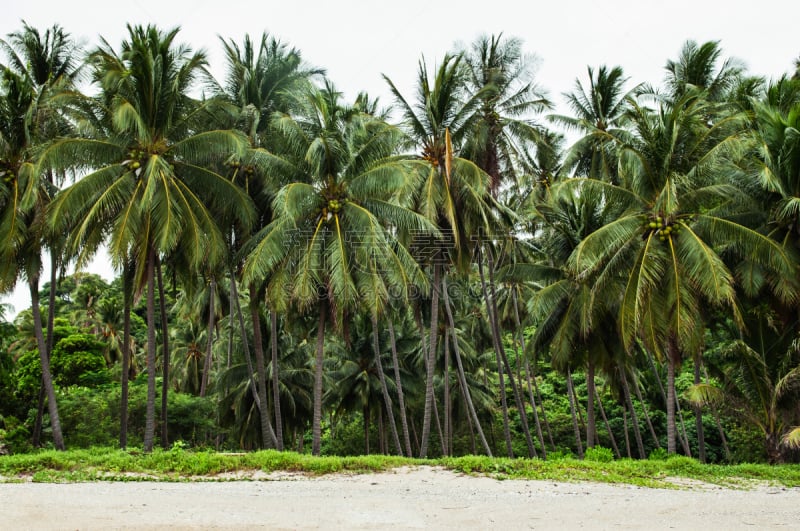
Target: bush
599,454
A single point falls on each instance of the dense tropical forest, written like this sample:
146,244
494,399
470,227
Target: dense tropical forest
458,271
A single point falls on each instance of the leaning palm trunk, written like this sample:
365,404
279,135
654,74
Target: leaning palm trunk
498,340
430,363
276,390
447,409
400,398
164,356
461,377
521,339
384,389
672,361
698,416
44,357
644,409
316,426
51,313
267,433
634,419
210,340
718,423
608,426
573,412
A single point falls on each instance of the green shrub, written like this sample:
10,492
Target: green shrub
599,454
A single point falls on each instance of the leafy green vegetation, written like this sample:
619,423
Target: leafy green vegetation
444,277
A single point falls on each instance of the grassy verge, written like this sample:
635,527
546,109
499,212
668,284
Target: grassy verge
182,465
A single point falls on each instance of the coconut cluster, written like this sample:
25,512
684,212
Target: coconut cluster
6,171
662,227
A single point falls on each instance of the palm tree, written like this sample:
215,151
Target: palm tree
453,193
696,68
327,245
599,112
501,76
679,206
151,188
40,68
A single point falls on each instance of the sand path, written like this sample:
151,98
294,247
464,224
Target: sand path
407,498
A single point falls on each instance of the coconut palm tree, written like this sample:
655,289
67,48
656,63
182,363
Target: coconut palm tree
679,206
328,246
38,69
150,187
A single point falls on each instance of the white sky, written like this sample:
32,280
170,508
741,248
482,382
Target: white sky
358,40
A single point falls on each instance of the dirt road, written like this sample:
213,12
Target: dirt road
419,498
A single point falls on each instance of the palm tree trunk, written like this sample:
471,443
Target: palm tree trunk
541,405
164,356
719,424
608,426
267,433
462,379
644,408
276,389
447,408
316,427
671,362
384,389
521,355
51,316
400,398
365,414
498,341
634,419
231,317
572,409
150,409
625,428
210,343
44,357
251,374
698,416
591,429
430,365
126,356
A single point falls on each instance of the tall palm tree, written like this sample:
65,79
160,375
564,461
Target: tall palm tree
151,186
328,245
501,75
598,112
454,190
697,68
679,206
39,68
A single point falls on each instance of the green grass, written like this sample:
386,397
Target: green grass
184,465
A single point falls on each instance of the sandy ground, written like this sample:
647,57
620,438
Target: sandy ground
417,498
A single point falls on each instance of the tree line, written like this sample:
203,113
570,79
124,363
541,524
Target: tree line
303,262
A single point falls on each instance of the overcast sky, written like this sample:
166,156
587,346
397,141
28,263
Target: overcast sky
358,40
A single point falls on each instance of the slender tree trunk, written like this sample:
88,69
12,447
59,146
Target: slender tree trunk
164,357
634,419
400,398
387,401
267,433
608,426
541,405
276,389
573,411
44,358
521,355
51,316
591,428
246,347
672,354
126,356
150,409
719,424
698,416
644,408
447,408
231,317
365,413
316,428
430,365
627,432
460,366
210,343
498,341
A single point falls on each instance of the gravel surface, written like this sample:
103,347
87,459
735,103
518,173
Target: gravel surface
405,498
